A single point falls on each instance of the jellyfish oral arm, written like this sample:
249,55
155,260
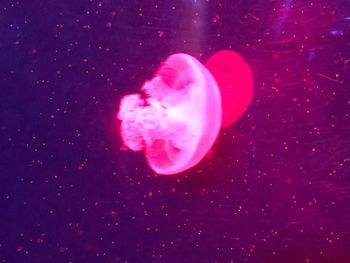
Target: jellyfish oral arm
142,122
131,128
145,121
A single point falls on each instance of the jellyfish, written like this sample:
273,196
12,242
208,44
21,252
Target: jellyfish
177,116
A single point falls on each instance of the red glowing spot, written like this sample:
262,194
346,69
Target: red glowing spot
209,154
81,167
109,24
20,248
216,19
114,213
123,148
160,33
235,80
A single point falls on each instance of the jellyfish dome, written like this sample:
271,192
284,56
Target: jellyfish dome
176,117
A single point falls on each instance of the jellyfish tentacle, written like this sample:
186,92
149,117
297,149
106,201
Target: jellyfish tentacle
131,131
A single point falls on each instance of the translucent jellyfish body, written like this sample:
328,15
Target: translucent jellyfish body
179,118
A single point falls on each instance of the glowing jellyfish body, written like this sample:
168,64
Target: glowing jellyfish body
235,80
178,121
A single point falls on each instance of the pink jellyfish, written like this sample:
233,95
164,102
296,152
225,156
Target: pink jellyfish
179,118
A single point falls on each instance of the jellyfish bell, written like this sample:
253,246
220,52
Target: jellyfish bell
177,121
235,80
177,116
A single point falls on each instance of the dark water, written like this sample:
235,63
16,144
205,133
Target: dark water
277,188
